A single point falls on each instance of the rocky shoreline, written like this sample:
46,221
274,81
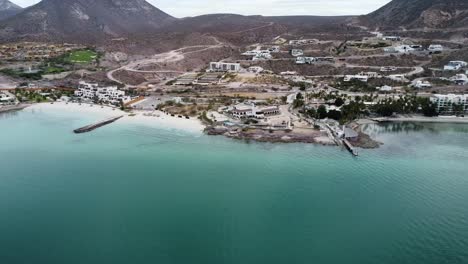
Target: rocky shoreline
271,136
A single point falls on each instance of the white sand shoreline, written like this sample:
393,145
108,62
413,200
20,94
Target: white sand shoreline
156,118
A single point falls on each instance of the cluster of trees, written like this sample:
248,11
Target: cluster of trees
405,105
21,73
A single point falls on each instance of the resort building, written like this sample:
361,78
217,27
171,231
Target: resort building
92,92
242,111
224,67
446,103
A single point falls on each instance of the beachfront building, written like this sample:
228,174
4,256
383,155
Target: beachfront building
92,92
243,111
7,98
224,67
448,103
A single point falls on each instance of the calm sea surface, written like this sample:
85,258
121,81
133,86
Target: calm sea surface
136,194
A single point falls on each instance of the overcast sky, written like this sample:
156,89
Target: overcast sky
183,8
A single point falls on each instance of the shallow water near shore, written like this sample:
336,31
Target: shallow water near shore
132,193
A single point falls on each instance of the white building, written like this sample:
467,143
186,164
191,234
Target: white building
262,56
391,38
435,48
361,78
297,52
299,42
422,84
224,67
251,53
455,65
7,98
92,91
405,49
274,49
370,74
460,79
242,111
445,102
397,77
288,73
388,69
385,88
305,60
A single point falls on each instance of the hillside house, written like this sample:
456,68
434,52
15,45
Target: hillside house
455,65
297,52
460,79
391,38
361,78
423,84
435,48
224,67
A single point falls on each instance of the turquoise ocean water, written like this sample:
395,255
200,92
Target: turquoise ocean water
142,194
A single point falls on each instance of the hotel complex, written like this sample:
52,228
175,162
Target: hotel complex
446,103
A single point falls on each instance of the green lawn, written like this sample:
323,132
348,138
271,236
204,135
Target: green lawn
82,56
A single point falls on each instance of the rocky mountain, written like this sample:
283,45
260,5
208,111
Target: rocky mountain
419,14
8,9
84,20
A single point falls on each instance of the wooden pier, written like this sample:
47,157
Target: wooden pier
350,148
92,127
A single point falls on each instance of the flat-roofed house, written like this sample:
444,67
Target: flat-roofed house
224,67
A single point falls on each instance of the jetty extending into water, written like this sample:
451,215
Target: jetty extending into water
11,108
350,148
97,125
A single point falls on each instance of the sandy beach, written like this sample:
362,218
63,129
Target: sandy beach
155,118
